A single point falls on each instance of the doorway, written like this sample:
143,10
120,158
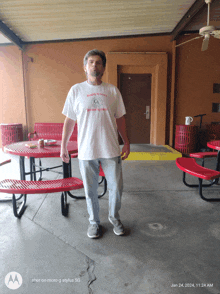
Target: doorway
154,63
136,94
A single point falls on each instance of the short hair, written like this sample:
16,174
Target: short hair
93,53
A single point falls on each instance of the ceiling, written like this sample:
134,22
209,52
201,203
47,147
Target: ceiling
28,21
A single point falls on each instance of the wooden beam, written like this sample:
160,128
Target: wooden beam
172,98
11,35
186,19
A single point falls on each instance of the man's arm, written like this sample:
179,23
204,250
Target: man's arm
67,131
122,131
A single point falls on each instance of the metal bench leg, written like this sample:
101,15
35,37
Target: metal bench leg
105,187
19,210
102,179
195,186
83,197
202,196
22,167
64,204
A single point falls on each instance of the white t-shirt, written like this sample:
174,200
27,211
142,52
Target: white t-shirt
95,108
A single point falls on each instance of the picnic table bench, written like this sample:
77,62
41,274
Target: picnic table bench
50,131
203,155
23,187
190,166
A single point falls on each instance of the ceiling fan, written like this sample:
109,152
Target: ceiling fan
206,32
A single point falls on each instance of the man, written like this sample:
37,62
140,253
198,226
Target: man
99,111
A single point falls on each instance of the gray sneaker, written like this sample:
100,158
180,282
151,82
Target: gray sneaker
93,231
118,227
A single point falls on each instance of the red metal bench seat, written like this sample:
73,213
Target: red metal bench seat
39,187
5,162
203,155
190,166
50,131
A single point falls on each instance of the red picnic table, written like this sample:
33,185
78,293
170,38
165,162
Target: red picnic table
23,151
64,185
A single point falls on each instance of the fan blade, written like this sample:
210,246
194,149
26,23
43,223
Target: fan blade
216,34
188,41
205,42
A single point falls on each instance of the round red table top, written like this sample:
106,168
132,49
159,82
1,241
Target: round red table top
20,148
214,145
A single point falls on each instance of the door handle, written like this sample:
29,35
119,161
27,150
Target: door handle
147,112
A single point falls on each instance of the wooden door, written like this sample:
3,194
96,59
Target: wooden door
136,94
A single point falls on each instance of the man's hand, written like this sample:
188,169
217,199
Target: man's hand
64,154
122,131
125,151
67,131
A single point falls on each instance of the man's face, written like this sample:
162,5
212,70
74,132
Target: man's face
94,67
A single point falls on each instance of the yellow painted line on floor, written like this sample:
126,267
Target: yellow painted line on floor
155,155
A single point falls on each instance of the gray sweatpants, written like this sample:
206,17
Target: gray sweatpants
112,168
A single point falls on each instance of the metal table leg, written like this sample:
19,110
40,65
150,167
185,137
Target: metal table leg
67,169
218,161
22,167
32,169
217,166
20,208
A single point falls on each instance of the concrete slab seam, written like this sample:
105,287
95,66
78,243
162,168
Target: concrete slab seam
90,263
39,207
90,271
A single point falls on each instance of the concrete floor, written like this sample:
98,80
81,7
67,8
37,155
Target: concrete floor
171,243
